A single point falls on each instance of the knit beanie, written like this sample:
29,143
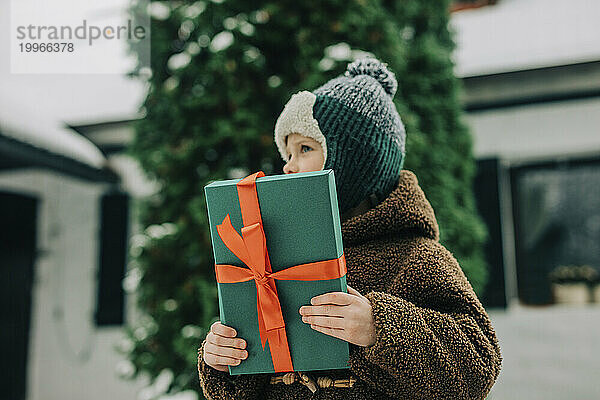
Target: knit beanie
357,124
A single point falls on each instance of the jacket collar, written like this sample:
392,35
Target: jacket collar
404,211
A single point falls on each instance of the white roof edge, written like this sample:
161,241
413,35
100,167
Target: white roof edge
524,67
105,120
31,127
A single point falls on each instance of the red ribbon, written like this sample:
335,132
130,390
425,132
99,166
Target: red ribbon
251,249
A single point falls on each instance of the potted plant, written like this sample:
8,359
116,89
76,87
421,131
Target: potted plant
572,284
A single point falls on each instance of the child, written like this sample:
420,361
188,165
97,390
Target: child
416,328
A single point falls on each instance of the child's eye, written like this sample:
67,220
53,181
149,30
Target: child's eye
305,148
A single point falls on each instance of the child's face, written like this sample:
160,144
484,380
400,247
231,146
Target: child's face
304,154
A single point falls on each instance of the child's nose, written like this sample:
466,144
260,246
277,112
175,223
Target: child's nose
290,168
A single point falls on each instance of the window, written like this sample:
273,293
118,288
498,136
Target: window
114,223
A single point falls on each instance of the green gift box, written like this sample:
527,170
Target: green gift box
289,226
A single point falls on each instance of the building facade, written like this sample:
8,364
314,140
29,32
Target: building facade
531,76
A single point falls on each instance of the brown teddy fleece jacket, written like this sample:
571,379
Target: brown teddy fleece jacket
434,339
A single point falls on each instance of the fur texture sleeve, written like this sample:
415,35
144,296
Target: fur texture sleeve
217,385
433,337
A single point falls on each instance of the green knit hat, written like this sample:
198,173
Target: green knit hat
357,124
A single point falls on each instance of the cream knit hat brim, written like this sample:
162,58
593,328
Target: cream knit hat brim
297,117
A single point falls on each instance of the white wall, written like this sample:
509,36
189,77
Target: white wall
543,131
69,357
518,35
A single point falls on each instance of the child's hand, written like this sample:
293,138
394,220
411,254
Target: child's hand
222,348
347,316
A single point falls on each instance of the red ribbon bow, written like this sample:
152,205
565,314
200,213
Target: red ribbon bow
251,249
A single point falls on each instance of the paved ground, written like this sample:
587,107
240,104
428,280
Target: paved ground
550,353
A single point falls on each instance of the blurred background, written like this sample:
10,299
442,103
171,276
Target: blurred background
106,276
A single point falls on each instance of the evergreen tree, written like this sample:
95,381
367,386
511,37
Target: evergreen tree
221,74
439,147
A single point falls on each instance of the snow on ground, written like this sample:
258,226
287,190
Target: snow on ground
550,353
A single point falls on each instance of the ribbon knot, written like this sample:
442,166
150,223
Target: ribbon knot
263,280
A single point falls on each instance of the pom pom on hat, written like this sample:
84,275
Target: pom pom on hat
376,69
